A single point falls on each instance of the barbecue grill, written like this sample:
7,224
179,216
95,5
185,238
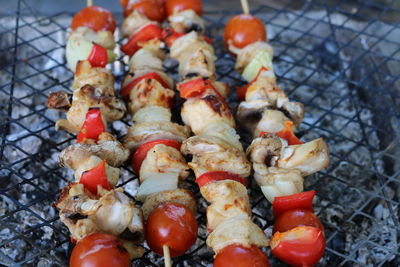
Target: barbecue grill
340,58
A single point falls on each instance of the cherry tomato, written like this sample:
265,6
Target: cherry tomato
301,200
174,6
94,17
141,152
301,246
214,176
240,256
152,9
298,217
243,30
171,224
99,250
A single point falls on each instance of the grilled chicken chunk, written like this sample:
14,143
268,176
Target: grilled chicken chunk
270,150
107,148
214,154
133,23
247,53
163,159
141,133
103,38
228,199
113,213
186,21
180,196
198,112
149,92
147,58
112,108
236,230
60,100
97,77
195,56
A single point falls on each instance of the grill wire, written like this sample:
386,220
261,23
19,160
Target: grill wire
342,63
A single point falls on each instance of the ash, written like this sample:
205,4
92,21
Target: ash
358,195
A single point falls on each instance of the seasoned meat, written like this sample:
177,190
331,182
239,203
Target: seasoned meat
186,21
236,230
163,159
107,148
198,112
214,154
112,108
228,199
113,213
97,77
144,132
103,38
60,100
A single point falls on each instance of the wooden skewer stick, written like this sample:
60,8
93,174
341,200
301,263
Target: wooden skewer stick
167,256
89,2
245,6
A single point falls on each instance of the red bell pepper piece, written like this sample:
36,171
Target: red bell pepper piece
94,177
126,90
93,126
241,90
169,36
287,134
301,246
215,176
141,152
98,56
301,200
196,87
147,33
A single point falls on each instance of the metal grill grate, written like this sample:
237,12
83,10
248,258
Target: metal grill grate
340,58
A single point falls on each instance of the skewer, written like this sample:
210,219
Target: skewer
245,6
167,256
89,2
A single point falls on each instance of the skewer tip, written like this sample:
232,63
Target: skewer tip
245,6
89,2
167,256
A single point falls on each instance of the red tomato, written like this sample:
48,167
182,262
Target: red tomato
93,126
141,152
301,246
94,177
152,9
174,6
171,224
147,33
99,250
214,176
126,90
98,56
94,17
240,256
298,217
243,30
301,200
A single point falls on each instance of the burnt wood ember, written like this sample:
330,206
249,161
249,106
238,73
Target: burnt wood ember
342,64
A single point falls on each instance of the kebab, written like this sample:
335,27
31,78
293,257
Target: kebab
218,159
154,140
96,214
280,160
